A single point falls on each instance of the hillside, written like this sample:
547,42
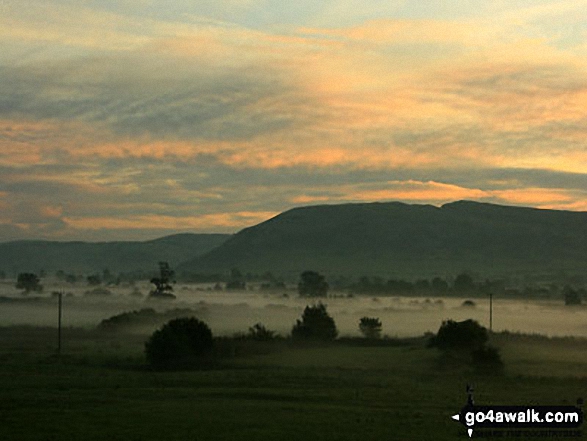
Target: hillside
396,239
86,257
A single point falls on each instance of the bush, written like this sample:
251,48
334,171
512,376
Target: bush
466,343
180,343
315,325
236,285
370,327
466,335
487,360
260,333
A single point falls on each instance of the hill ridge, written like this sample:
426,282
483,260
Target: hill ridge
395,238
118,256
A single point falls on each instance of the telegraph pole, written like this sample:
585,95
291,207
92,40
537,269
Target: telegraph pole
490,311
59,323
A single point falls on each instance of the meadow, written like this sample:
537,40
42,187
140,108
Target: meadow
100,386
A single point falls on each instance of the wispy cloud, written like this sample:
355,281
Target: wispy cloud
118,117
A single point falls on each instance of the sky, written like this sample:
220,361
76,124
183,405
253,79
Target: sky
133,119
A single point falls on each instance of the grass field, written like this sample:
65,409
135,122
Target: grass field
101,389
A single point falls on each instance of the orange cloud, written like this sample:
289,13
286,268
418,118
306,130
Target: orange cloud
51,211
576,205
397,190
208,222
438,192
534,196
396,31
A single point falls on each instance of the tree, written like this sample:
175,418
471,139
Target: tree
466,335
29,282
466,341
439,285
312,284
260,333
316,324
181,342
572,297
464,282
94,280
163,287
370,327
487,359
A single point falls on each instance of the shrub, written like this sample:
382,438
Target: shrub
487,360
315,324
181,342
465,335
466,342
236,285
370,327
260,333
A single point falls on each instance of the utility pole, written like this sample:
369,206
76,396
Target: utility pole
490,311
59,323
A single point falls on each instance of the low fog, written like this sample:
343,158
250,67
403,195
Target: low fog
231,312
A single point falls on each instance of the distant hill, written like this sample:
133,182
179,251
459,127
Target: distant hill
396,239
86,257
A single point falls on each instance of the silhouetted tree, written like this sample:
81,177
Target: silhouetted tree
465,335
370,327
571,296
422,285
180,342
260,333
312,284
466,341
163,287
28,282
439,285
487,359
464,282
316,324
107,276
94,279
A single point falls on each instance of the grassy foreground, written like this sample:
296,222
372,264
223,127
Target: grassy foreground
101,389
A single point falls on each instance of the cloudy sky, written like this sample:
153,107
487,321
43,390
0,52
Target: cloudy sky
132,119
